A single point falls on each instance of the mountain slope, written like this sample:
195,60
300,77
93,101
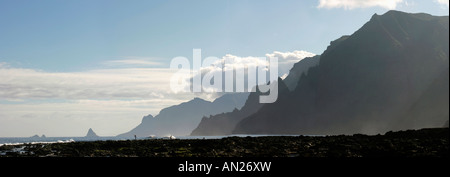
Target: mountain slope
365,82
432,108
298,69
224,124
180,120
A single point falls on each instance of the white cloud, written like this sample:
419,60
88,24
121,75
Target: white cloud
285,62
287,59
134,61
111,101
443,2
17,83
353,4
75,117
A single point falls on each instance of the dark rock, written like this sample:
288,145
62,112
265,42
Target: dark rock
411,143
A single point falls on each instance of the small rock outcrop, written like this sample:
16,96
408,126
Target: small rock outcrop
91,133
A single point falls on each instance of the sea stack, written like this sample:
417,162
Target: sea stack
91,133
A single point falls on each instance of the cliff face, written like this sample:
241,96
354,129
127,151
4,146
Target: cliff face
367,82
180,120
298,69
224,124
432,107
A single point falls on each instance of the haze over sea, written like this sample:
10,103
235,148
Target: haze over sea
48,140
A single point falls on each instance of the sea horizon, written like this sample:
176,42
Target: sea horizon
67,139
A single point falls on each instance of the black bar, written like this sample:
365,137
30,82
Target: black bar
170,166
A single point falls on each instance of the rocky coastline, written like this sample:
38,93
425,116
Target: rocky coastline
411,143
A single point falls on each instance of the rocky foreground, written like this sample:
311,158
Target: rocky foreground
411,143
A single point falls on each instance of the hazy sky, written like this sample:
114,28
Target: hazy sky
67,66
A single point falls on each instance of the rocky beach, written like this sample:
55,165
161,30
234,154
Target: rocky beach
411,143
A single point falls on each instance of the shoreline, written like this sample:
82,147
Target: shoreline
432,142
13,141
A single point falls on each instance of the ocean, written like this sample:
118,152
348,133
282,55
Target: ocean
48,140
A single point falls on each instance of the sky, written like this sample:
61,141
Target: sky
67,66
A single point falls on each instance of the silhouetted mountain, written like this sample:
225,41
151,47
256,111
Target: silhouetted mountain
367,82
180,120
224,124
298,69
432,108
91,134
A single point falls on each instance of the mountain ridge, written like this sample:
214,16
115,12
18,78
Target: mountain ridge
224,124
365,82
181,119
